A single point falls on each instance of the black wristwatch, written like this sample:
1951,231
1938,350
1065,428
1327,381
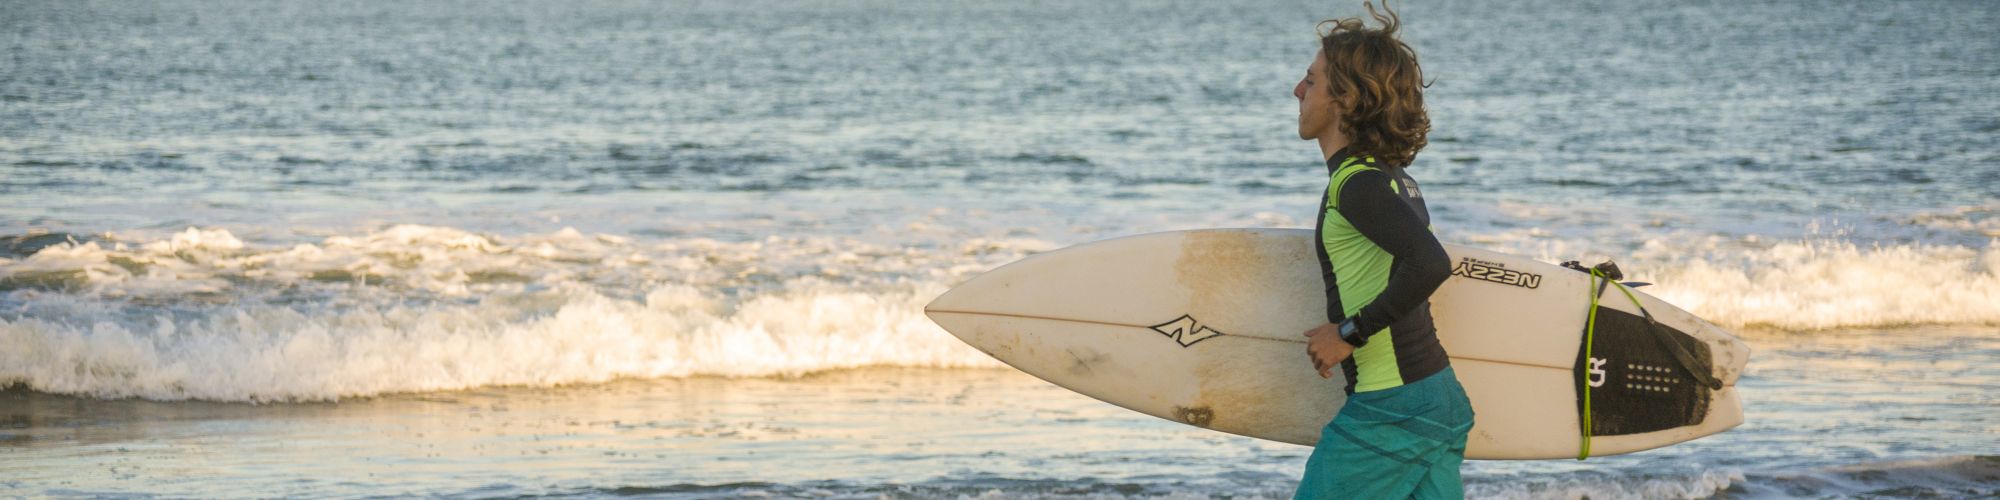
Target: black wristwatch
1352,334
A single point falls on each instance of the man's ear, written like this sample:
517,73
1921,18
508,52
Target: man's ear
1342,105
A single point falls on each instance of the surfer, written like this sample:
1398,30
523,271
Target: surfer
1402,432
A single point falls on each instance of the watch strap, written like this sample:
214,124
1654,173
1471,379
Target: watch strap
1351,333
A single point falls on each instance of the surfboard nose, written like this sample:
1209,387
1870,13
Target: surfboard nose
957,299
952,309
941,303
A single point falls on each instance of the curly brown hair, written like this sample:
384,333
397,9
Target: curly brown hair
1387,119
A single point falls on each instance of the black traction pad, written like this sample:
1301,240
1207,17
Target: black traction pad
1636,385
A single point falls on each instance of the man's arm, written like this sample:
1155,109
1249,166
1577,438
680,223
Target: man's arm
1419,262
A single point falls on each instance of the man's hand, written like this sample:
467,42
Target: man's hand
1326,348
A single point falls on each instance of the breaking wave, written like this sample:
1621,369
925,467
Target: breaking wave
202,314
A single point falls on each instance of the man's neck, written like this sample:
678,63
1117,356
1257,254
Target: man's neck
1330,144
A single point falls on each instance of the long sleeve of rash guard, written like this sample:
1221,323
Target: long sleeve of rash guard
1420,264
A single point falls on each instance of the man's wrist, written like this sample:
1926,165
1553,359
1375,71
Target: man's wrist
1351,333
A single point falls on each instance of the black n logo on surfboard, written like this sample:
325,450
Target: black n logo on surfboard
1186,330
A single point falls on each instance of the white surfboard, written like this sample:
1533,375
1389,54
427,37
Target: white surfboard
1205,328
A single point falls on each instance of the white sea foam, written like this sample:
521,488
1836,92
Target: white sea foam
1810,284
412,308
270,353
203,314
1703,485
1820,285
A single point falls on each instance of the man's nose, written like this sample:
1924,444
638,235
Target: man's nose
1299,90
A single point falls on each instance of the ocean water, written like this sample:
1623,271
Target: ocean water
681,248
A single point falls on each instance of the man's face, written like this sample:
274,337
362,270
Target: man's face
1316,110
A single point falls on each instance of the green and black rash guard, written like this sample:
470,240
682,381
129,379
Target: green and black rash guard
1381,263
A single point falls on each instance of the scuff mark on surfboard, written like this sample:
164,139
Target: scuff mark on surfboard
1482,436
1217,267
1198,416
1081,365
1226,276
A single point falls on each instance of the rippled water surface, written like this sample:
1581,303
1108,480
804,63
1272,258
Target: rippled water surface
681,248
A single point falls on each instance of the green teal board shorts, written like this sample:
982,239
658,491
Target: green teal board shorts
1401,442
